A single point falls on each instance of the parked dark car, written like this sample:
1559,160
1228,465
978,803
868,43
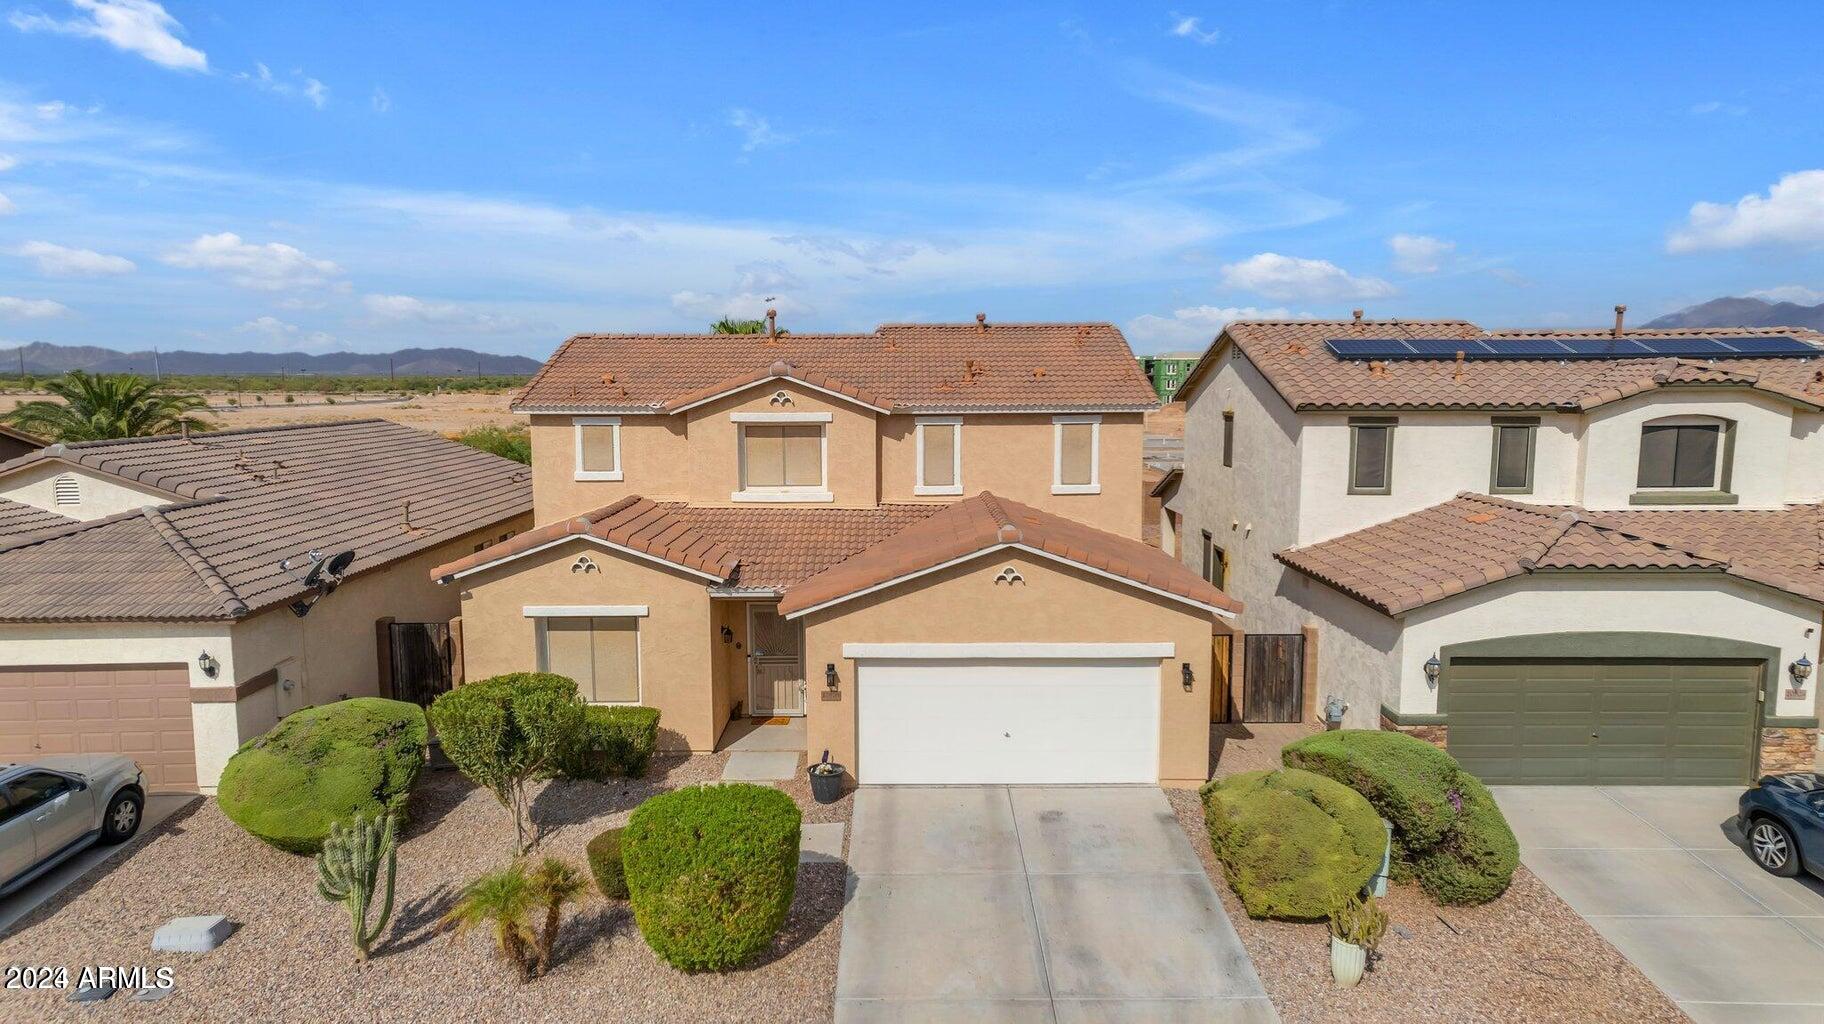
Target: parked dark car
1783,818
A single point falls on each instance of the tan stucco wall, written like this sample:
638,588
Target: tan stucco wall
655,463
677,670
101,494
715,465
1056,604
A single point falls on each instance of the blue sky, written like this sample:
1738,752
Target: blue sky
370,176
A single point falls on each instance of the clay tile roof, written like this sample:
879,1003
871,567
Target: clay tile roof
18,519
1474,539
779,368
245,501
636,523
1291,354
779,547
904,367
987,521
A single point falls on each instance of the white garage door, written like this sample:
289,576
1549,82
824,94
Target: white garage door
1030,721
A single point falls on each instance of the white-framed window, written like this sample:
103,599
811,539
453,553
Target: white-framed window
939,440
600,652
784,456
598,448
1076,455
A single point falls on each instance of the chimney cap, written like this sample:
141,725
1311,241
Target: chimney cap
1621,313
1357,314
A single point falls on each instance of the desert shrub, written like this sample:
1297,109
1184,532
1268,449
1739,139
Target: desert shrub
711,871
605,864
508,731
1448,833
616,740
1292,843
353,758
507,442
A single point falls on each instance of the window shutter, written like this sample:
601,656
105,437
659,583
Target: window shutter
616,645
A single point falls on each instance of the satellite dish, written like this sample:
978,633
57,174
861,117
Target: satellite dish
315,576
338,564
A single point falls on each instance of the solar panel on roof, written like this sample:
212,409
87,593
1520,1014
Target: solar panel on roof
1634,347
1708,348
1369,348
1447,348
1770,346
1528,348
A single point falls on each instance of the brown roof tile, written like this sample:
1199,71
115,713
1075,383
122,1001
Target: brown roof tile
898,366
18,519
633,522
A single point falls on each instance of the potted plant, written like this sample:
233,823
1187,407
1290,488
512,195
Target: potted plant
826,780
1356,926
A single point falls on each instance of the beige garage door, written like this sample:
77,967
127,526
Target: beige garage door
142,711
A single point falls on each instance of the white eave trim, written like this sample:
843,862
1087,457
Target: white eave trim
590,538
852,400
1035,410
780,417
1009,651
579,611
1036,553
748,592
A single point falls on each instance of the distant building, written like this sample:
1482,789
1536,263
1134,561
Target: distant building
1166,371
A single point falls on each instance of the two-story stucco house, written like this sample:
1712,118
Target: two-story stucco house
923,540
1567,556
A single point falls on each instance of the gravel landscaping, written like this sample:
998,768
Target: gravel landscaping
290,959
1524,957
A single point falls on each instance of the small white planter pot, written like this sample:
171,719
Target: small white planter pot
1347,961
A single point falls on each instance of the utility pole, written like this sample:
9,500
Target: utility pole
157,377
389,371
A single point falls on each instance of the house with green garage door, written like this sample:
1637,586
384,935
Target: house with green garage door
1572,557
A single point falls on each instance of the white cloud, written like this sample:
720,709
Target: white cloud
1791,213
136,26
30,309
6,205
1193,326
273,328
757,131
1186,26
1290,277
274,266
380,101
398,309
301,86
66,262
1419,254
1790,293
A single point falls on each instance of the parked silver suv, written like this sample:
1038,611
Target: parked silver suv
57,806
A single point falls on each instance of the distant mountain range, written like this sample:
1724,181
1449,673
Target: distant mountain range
42,358
1745,312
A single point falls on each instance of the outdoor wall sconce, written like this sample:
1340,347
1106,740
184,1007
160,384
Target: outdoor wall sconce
1801,671
728,635
829,675
1188,678
208,664
1433,668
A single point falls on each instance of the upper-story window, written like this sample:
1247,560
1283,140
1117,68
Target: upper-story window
1228,438
598,448
1215,562
783,456
1371,454
1516,438
940,455
1685,453
1075,459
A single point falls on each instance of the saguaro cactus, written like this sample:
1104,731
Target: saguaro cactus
349,872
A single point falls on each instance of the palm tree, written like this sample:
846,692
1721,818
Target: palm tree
554,883
99,407
504,903
727,325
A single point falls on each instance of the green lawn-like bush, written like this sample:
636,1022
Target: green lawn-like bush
353,758
1292,843
605,864
1447,831
711,871
617,740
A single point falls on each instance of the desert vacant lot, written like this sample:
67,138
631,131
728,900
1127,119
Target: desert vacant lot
444,413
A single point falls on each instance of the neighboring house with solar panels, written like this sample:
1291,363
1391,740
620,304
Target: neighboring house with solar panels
1567,556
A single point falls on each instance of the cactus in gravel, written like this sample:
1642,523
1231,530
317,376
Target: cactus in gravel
349,873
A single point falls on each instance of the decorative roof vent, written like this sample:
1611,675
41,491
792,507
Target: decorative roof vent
65,490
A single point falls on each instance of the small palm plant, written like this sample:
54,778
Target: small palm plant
554,883
350,871
503,902
101,407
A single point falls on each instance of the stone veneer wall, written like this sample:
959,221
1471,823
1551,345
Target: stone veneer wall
1432,734
1788,750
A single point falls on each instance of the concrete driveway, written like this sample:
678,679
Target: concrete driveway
1028,905
159,806
1657,871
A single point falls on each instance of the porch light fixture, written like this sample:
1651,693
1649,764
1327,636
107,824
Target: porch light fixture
829,675
1801,671
210,666
728,635
1433,667
1187,676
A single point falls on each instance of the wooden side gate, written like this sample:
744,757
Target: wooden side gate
1222,646
420,656
1273,677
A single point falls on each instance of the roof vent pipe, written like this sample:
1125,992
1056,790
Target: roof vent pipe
1358,315
981,323
1621,313
772,323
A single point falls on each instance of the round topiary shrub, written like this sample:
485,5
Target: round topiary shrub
605,864
1292,843
1475,862
321,765
711,871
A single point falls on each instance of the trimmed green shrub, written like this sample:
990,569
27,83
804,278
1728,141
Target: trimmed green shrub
1292,843
605,864
616,740
711,871
352,759
1447,831
508,731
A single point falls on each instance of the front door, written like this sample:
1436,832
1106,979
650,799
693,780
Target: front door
775,663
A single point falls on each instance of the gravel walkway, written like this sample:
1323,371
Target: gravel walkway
290,960
1526,957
